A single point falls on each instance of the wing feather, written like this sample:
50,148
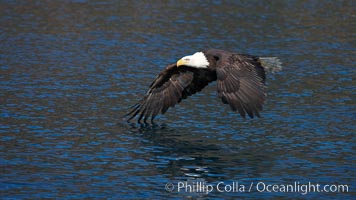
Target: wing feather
171,86
241,84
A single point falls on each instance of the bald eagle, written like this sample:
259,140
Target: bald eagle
240,82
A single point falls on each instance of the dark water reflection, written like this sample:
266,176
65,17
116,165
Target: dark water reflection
70,69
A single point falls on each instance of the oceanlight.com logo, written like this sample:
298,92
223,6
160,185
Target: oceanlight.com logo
199,186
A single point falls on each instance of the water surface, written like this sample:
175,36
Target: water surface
71,69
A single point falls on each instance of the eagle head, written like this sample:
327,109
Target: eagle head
197,60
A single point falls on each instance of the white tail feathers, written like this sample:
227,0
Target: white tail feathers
271,64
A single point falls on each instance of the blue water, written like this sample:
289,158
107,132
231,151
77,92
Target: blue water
71,69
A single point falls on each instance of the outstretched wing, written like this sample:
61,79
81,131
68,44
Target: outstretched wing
241,84
171,86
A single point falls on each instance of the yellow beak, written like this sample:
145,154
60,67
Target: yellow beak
181,62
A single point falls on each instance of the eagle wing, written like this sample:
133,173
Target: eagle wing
241,84
170,86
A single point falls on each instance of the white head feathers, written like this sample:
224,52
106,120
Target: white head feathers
197,60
